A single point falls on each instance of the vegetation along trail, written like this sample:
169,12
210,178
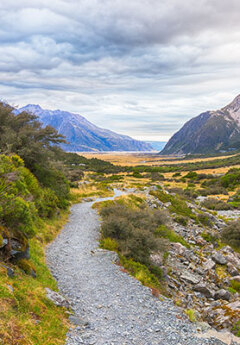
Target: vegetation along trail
110,306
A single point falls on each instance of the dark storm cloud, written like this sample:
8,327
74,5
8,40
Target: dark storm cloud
148,58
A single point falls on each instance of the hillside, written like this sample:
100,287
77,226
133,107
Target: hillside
211,131
82,135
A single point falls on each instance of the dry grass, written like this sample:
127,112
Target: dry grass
150,159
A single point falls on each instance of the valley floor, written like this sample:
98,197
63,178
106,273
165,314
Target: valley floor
110,306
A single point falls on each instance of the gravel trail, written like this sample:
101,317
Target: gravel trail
111,308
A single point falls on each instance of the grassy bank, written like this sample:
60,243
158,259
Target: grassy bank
27,317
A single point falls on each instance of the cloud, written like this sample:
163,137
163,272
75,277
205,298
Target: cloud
138,67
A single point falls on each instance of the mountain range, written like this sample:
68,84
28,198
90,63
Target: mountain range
82,135
209,132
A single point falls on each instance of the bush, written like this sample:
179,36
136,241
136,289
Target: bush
133,230
204,219
181,220
216,204
109,244
165,232
207,236
231,234
191,175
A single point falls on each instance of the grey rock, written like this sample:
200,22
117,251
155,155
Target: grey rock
209,265
57,299
222,294
232,269
219,258
204,290
10,272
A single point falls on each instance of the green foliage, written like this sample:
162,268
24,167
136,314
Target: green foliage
165,232
191,313
231,234
181,220
216,204
207,236
191,175
235,285
109,244
204,219
236,329
133,230
141,272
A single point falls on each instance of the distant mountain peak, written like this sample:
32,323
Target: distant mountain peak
82,134
212,131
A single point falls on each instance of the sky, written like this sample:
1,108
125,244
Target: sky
138,67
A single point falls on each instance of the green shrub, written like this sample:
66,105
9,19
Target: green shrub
207,236
165,232
235,285
204,219
191,175
215,204
231,234
181,220
133,230
141,272
109,244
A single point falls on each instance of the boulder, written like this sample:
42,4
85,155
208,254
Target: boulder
236,278
190,278
178,248
233,259
201,287
232,269
57,299
209,265
222,294
219,258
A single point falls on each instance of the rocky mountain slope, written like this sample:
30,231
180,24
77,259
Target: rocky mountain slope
82,135
212,131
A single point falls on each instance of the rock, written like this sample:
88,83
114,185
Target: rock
10,272
4,243
222,294
234,305
201,287
232,269
190,278
235,278
200,241
156,259
219,258
233,259
209,265
18,254
77,321
178,248
57,299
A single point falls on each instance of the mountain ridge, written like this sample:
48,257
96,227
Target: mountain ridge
83,135
209,132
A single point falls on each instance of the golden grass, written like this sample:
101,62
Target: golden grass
149,159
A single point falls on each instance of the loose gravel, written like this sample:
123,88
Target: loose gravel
110,307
